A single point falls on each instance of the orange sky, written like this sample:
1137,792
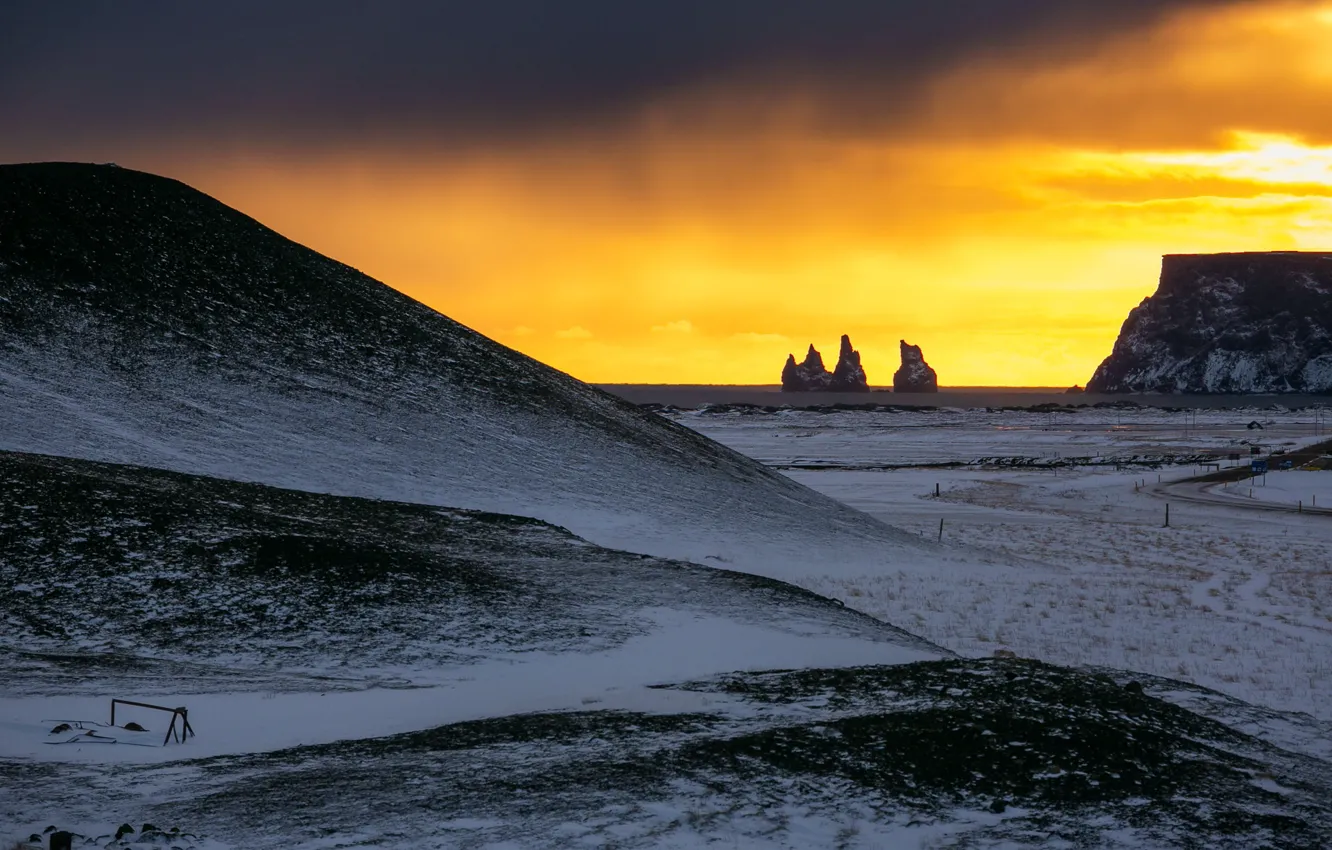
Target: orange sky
1007,225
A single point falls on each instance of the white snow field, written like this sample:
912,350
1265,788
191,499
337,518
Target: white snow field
1288,488
1086,573
681,646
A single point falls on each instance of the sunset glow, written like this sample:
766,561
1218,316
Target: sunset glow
1007,223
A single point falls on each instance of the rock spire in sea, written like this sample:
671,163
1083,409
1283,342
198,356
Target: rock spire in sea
914,375
812,376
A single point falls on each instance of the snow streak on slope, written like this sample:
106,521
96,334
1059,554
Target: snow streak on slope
143,322
123,579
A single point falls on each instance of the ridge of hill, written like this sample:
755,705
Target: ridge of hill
144,322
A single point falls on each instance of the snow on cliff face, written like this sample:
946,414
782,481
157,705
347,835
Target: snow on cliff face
1228,323
143,322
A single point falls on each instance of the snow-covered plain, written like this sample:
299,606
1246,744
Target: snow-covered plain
1087,574
682,646
1289,488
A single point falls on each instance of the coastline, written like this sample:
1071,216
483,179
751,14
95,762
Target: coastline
771,395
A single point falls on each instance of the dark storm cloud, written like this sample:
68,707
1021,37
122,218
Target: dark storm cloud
337,70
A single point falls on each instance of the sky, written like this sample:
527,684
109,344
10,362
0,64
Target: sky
686,192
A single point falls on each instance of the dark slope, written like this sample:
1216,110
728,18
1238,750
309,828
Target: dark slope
948,753
140,269
1228,323
144,322
119,575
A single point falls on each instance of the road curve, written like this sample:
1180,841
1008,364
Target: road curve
1199,490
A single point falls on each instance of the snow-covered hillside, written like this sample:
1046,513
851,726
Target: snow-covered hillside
1228,323
144,322
118,578
381,674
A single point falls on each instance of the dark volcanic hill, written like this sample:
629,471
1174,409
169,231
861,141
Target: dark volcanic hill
144,322
119,577
1228,323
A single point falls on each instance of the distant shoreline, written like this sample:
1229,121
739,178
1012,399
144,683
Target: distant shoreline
777,388
770,395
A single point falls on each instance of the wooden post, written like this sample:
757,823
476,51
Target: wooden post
1300,509
940,529
1167,525
936,490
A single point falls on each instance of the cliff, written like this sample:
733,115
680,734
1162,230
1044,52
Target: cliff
1228,323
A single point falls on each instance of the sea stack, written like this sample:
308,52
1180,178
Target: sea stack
914,375
812,376
849,375
1228,323
809,376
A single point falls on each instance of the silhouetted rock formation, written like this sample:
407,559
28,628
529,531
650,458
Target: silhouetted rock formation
811,375
914,375
807,376
849,375
1076,389
1228,323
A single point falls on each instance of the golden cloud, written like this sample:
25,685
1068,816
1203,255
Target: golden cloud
1007,229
